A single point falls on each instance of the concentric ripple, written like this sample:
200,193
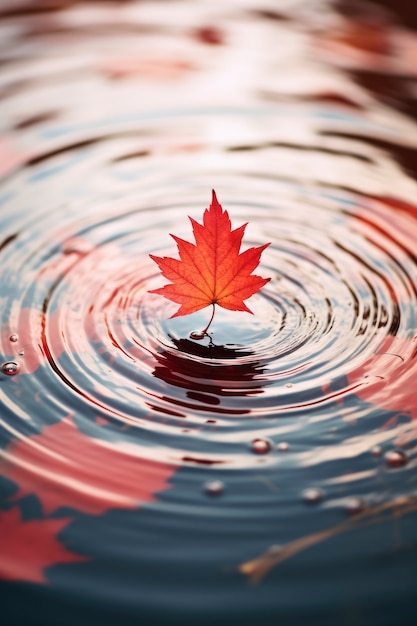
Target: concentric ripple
151,465
341,292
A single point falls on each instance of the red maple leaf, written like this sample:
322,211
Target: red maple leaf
66,468
27,548
211,271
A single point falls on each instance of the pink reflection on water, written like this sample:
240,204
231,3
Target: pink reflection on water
28,547
64,467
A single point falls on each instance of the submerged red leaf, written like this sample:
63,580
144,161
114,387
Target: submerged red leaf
64,467
387,379
211,271
28,547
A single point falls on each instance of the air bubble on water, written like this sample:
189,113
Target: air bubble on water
214,487
261,446
10,368
13,338
313,495
283,446
396,458
376,451
354,505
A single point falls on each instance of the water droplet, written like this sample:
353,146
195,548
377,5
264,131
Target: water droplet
396,458
197,334
10,368
214,487
289,385
21,352
313,495
274,551
354,505
376,451
261,446
283,446
13,338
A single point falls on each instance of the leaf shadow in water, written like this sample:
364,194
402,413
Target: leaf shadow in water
210,373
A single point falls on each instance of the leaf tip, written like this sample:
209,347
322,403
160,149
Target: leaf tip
215,204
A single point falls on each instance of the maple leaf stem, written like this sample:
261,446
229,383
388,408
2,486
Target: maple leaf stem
200,334
211,319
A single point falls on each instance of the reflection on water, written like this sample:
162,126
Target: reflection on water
267,472
211,377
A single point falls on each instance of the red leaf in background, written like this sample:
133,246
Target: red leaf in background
388,379
66,468
27,548
211,271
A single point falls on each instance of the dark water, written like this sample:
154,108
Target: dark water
267,475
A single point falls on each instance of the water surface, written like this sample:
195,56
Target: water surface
266,474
